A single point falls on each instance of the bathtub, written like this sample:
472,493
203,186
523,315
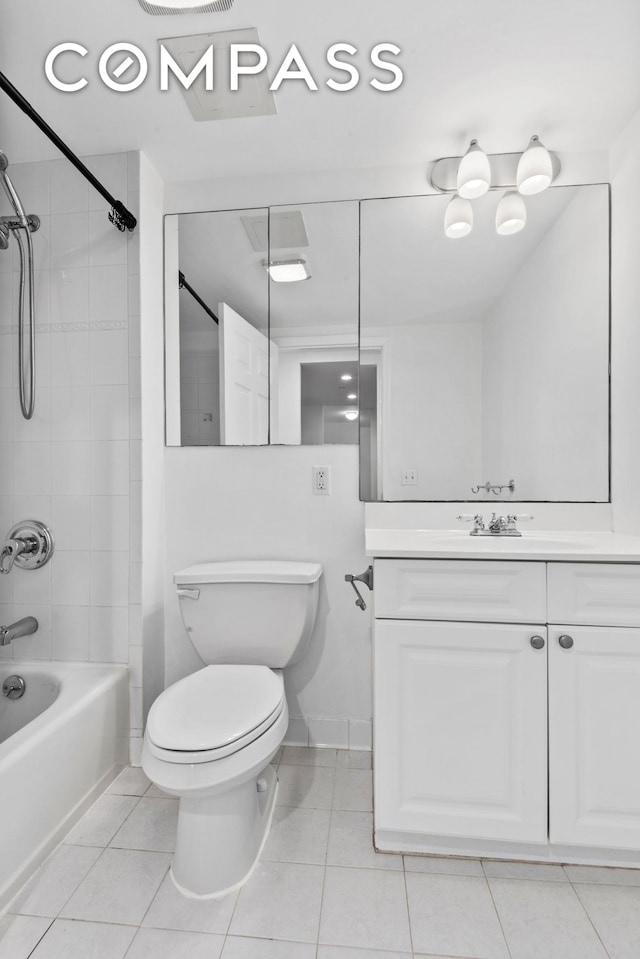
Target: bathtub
60,745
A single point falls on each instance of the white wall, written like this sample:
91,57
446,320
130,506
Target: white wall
538,340
625,353
75,464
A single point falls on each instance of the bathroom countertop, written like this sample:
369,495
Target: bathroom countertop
545,545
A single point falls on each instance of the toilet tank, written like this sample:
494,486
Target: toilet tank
259,612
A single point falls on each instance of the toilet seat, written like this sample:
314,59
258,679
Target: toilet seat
214,713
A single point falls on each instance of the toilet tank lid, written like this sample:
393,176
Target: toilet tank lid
250,571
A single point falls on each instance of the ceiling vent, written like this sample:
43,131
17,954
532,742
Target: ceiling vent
181,7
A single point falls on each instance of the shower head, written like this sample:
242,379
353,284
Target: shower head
4,237
10,190
4,163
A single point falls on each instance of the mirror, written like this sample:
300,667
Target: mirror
490,353
253,357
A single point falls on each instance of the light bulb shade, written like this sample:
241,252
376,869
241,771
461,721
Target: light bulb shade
511,214
474,173
458,218
350,414
290,270
535,170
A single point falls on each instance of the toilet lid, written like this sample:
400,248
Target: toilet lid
215,707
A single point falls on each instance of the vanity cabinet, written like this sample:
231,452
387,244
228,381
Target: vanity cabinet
489,674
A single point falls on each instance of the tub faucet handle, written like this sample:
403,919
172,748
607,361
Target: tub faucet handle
10,551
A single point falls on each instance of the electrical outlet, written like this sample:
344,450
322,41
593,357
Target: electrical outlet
322,480
409,478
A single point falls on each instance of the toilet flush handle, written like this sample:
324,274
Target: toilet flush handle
188,593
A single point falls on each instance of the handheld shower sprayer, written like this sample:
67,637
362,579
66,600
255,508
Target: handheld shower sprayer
20,226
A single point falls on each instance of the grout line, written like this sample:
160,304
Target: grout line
590,920
504,935
41,937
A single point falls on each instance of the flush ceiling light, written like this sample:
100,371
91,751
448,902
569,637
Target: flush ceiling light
352,396
458,218
474,172
184,7
535,169
287,271
346,377
351,414
511,214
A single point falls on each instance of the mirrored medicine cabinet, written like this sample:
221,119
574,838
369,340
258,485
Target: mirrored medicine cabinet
483,364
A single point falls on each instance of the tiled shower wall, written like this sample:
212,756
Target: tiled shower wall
76,464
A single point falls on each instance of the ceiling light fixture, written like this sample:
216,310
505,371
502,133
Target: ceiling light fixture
346,377
458,218
535,169
511,214
474,172
184,7
287,271
350,414
352,396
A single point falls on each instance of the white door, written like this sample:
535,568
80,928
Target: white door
244,381
460,726
594,736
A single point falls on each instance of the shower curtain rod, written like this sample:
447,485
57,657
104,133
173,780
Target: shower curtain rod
183,285
120,216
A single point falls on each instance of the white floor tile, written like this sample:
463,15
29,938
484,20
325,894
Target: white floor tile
455,916
151,825
298,835
364,907
603,875
241,948
69,939
309,786
55,880
131,782
119,888
20,934
615,913
351,842
354,759
280,901
544,919
171,910
523,870
308,756
100,823
444,865
346,952
353,790
169,944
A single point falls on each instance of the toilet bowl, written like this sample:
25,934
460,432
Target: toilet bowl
210,737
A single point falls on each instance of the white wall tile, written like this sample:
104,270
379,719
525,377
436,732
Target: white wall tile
70,633
109,634
6,466
32,585
109,357
360,734
69,293
71,521
109,413
38,644
109,578
71,468
69,189
32,468
297,732
329,732
70,413
108,295
111,170
110,522
107,246
110,467
71,578
69,240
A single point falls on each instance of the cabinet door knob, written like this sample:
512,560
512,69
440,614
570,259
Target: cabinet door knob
537,642
565,641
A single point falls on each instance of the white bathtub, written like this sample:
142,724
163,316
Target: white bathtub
65,739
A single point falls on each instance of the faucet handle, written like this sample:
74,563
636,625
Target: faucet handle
520,517
10,550
465,517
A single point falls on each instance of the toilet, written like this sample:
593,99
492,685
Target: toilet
210,737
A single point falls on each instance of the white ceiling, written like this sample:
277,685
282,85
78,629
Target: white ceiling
500,70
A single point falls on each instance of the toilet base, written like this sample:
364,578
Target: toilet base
220,837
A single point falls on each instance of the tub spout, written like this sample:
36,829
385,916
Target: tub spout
23,627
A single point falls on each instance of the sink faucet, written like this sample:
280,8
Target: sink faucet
23,627
497,525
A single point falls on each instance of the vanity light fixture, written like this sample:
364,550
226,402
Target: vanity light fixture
511,214
458,219
474,173
346,377
291,270
350,414
352,396
535,169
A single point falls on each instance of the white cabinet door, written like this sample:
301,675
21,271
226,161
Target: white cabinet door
244,381
460,727
594,736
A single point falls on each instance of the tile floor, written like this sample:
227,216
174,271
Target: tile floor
319,891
